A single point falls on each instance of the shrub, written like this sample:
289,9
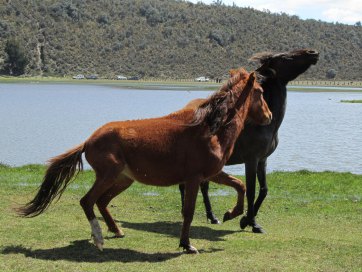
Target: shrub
16,59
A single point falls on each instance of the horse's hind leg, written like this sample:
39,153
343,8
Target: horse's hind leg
104,181
225,179
204,186
121,185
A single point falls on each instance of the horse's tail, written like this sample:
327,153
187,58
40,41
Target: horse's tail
59,173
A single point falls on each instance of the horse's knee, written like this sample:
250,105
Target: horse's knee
101,205
188,219
83,203
242,188
263,192
103,201
87,208
86,205
187,215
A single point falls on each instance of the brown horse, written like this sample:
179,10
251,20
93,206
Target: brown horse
187,147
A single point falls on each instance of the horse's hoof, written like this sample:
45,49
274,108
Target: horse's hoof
258,229
191,250
99,246
118,235
214,221
244,222
227,216
98,242
212,218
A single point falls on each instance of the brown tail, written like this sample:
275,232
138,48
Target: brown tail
59,173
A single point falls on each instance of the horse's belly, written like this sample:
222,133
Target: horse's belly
157,176
171,170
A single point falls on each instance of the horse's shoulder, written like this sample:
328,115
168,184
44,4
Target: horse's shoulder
184,114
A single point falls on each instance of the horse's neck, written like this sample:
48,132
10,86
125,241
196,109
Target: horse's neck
228,135
276,98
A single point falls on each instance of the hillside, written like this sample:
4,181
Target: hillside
166,38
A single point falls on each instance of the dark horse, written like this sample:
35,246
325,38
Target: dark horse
256,143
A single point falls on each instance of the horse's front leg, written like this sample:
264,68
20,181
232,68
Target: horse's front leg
263,191
249,219
238,185
181,187
191,190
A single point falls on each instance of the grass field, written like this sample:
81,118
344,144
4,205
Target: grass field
313,223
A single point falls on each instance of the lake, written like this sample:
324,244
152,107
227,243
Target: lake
39,121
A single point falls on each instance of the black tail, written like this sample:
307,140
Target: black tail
59,173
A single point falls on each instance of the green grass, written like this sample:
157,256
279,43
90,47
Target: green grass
313,222
351,101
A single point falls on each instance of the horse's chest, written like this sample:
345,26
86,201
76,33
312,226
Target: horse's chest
205,159
253,145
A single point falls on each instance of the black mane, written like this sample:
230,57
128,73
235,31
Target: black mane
264,57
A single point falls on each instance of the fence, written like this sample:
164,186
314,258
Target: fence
326,83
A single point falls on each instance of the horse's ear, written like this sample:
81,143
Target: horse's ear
246,90
233,72
252,78
249,83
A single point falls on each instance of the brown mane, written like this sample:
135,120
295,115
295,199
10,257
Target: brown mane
216,109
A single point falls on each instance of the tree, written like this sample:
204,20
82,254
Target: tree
217,2
16,60
331,73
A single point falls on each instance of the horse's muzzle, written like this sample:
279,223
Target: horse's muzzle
268,120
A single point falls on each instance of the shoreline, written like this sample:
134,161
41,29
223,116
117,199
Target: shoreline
39,166
155,84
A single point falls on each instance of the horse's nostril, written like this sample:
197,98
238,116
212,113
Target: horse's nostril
312,52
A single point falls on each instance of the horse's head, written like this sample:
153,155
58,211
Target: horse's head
241,95
285,66
252,96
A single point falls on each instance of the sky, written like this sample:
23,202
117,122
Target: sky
342,11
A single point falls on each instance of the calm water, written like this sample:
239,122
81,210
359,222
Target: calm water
38,121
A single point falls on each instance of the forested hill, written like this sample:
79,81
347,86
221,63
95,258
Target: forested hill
166,38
